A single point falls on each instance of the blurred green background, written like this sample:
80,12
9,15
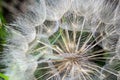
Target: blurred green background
2,34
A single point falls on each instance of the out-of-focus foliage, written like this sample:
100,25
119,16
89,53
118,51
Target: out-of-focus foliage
2,34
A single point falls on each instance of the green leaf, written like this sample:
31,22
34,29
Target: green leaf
3,77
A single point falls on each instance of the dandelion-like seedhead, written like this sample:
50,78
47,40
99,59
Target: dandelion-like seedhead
78,58
64,40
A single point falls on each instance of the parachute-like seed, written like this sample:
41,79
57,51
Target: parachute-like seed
15,40
28,32
83,7
16,59
56,8
47,29
34,16
106,9
72,21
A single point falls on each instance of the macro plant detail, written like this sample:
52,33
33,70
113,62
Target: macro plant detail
64,40
77,57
